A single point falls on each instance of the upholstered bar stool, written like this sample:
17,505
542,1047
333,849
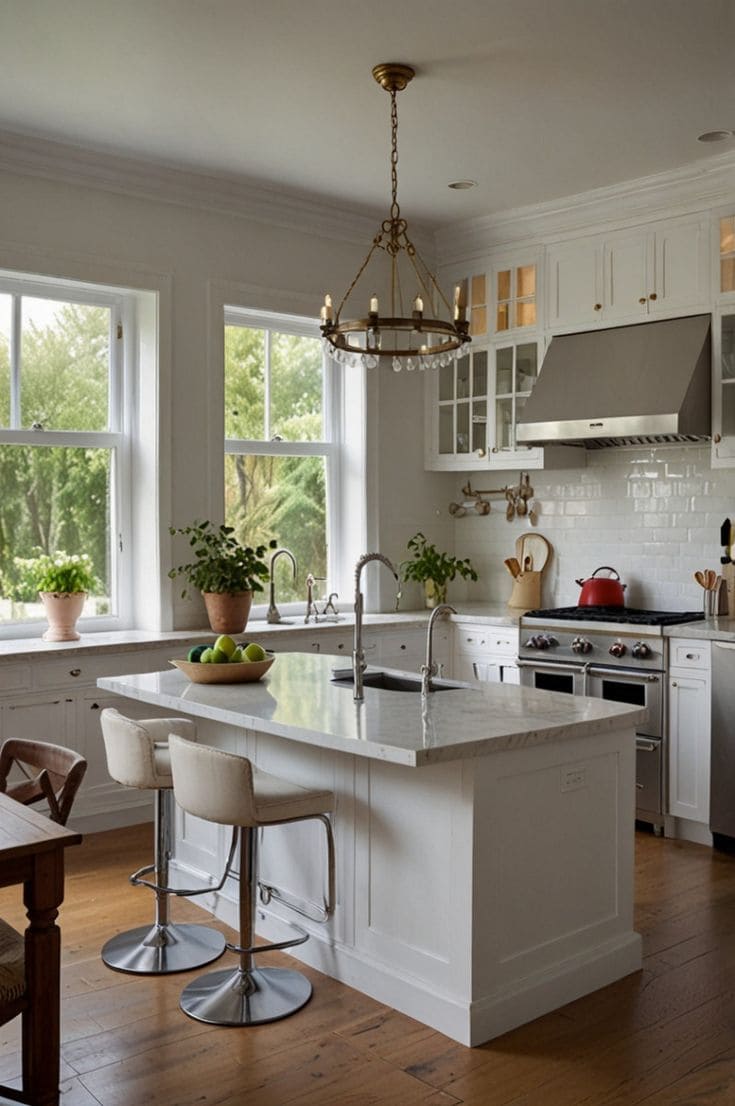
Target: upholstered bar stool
226,788
138,756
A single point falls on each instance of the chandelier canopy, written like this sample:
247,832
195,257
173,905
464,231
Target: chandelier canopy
433,330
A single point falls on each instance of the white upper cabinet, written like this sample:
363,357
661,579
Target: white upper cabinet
627,276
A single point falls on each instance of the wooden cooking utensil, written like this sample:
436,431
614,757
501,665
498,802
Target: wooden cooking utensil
513,567
535,546
710,577
699,577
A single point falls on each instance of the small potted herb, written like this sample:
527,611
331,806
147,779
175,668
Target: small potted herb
224,571
433,569
63,582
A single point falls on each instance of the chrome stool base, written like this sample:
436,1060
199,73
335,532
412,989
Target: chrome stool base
163,949
245,997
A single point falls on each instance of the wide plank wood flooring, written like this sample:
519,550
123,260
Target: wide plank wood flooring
664,1036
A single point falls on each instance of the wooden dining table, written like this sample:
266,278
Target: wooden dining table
32,853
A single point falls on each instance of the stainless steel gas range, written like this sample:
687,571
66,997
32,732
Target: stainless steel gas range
614,653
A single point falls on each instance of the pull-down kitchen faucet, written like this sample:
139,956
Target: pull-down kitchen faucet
430,668
274,615
359,664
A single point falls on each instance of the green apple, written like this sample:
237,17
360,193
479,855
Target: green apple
195,653
226,644
206,656
218,656
237,656
254,652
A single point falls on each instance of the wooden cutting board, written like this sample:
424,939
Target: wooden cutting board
535,546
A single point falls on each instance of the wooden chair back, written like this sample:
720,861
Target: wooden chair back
51,772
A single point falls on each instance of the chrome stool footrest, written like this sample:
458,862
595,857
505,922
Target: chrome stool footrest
274,946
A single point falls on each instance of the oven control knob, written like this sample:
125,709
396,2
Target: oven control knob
581,645
532,643
618,649
641,651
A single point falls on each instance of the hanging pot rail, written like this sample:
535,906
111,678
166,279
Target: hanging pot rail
519,500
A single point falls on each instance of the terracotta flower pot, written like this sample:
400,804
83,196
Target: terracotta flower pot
228,614
62,611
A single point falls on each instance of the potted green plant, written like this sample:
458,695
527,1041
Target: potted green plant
224,571
433,569
63,582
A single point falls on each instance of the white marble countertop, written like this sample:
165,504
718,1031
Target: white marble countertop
297,700
121,641
708,629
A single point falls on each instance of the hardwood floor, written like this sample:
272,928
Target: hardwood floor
663,1037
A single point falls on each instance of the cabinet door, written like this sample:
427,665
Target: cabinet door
689,746
574,284
723,391
516,371
681,267
628,272
42,718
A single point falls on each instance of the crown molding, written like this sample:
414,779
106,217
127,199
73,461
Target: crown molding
705,184
85,167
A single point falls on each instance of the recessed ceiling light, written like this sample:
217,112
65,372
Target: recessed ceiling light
714,136
461,184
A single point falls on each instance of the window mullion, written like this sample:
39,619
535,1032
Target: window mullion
267,385
15,340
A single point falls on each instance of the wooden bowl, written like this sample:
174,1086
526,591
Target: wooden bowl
243,672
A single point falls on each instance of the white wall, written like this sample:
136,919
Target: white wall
194,258
653,514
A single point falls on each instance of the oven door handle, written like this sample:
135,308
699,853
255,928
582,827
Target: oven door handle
628,677
647,746
551,666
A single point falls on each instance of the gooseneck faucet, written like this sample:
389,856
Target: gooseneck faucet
274,614
359,664
430,667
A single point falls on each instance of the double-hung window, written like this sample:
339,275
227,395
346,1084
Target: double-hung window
281,438
62,441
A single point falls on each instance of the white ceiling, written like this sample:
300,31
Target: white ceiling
534,99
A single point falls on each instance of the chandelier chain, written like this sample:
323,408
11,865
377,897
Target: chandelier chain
395,210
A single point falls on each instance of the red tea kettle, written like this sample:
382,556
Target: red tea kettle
602,591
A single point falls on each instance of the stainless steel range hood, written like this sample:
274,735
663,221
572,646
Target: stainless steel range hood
627,385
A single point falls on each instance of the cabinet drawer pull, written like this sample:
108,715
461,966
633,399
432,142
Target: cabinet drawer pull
403,647
692,656
598,307
95,706
75,671
653,296
674,683
642,299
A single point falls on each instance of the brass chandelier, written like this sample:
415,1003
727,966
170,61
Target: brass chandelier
432,332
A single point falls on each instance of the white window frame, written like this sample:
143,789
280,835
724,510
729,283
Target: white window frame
329,448
121,419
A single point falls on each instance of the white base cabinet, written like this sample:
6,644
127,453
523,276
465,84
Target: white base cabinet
485,654
689,730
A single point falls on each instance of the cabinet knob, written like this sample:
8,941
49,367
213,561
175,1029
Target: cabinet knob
674,683
403,647
717,438
598,307
642,299
495,449
653,296
75,671
480,452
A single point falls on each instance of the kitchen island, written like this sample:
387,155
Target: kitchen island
484,835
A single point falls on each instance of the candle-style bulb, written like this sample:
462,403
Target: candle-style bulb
373,305
418,304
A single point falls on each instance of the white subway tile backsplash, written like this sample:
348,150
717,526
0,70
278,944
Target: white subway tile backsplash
653,514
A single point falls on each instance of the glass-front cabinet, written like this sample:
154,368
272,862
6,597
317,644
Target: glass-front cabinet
516,366
460,411
723,406
515,297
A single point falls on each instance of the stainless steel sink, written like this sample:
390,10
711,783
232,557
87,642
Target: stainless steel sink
390,681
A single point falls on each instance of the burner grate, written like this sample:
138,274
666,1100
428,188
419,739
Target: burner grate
630,615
